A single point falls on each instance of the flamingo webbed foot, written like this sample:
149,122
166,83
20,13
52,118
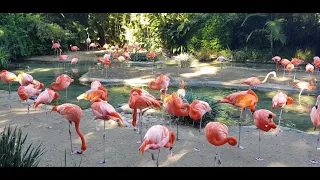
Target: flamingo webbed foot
138,142
259,159
240,147
49,127
314,161
196,149
76,152
102,161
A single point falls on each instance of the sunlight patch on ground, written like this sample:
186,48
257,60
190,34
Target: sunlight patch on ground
137,81
42,70
202,71
277,164
176,157
4,121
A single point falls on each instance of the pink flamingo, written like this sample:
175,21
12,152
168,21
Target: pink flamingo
74,48
63,58
315,118
197,110
277,60
181,91
310,68
55,46
72,113
37,84
279,101
24,79
284,63
263,119
161,84
316,63
8,77
157,137
63,81
254,81
75,59
126,55
104,111
45,97
217,135
296,62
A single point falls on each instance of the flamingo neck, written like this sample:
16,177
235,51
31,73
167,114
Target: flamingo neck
266,78
83,141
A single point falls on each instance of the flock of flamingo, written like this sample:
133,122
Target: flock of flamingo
159,136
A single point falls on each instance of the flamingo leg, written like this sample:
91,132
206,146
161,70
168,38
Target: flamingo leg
158,158
240,147
219,156
284,71
9,90
140,131
259,158
198,149
318,139
96,124
48,124
294,76
215,156
314,161
70,137
300,96
104,144
177,119
106,72
66,95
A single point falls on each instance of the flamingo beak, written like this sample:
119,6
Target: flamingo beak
82,96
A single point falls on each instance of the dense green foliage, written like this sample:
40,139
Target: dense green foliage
240,36
13,153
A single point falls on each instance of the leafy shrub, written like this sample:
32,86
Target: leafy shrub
12,147
204,55
227,53
141,57
210,116
4,58
306,54
185,59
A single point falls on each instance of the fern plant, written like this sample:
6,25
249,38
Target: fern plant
13,153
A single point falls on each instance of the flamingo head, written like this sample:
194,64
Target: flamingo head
56,95
55,108
289,101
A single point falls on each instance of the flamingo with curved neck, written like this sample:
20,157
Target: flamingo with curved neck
254,81
304,85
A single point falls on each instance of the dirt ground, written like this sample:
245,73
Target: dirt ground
291,148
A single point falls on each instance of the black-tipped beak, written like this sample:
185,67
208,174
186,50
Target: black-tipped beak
170,148
252,112
316,106
270,116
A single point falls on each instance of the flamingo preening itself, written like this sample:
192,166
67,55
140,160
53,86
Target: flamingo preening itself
8,77
305,85
73,114
63,81
74,48
161,84
157,137
315,119
242,100
217,135
263,119
254,81
277,60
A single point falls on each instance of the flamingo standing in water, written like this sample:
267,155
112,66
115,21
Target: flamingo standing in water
254,81
197,110
72,113
176,107
141,99
315,119
8,77
74,48
263,119
296,62
277,60
104,111
242,100
151,55
181,92
55,46
75,59
279,101
157,137
304,85
25,92
284,63
217,135
64,59
310,68
63,81
45,97
161,84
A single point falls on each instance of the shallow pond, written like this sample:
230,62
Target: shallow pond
46,72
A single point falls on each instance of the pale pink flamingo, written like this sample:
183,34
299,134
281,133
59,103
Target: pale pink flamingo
263,119
284,63
316,63
277,60
279,101
8,77
296,62
104,111
36,84
126,55
55,46
24,79
161,84
157,137
63,81
309,68
305,85
74,48
75,59
72,113
315,118
45,97
181,91
217,135
63,58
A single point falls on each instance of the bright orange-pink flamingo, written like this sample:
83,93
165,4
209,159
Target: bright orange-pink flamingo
157,137
217,135
315,118
290,67
254,81
24,79
176,107
55,46
8,77
279,101
161,84
75,59
277,60
104,111
151,55
63,81
242,100
316,63
45,97
305,85
284,63
141,99
296,62
263,119
310,68
74,48
197,110
72,113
